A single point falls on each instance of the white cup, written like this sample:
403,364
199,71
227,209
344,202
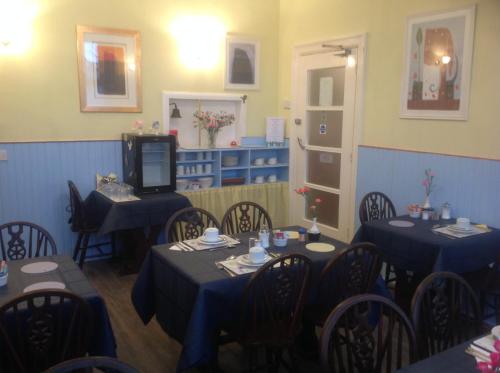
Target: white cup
272,160
199,168
271,178
463,223
208,168
211,234
257,254
259,179
180,170
495,332
258,162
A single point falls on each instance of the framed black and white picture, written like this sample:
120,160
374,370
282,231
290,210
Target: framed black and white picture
242,64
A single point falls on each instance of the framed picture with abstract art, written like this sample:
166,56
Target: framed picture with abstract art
242,64
438,61
109,70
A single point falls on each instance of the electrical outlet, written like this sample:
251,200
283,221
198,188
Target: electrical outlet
3,154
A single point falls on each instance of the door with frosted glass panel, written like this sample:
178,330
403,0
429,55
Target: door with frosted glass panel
323,140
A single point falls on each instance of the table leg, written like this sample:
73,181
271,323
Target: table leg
136,244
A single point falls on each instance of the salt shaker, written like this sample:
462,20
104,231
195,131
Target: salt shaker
446,211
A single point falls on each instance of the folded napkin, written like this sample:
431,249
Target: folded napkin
233,266
444,230
485,343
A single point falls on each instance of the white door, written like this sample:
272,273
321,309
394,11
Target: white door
322,138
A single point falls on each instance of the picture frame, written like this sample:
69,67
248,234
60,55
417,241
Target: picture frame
242,64
437,65
109,70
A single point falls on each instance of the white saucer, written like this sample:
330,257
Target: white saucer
205,242
44,285
458,229
39,267
245,260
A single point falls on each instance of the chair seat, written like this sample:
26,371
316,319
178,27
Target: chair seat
267,334
316,314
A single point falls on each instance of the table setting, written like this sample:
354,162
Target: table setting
58,272
192,293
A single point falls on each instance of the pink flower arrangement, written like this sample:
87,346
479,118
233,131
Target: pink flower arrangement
494,364
212,122
306,193
428,181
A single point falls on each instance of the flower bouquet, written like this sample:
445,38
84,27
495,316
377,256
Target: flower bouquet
313,232
212,123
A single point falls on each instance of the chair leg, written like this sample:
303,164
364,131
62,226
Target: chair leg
84,249
113,244
77,246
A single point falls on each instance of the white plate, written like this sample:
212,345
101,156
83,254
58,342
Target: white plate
401,223
44,285
456,228
205,242
245,260
39,267
320,247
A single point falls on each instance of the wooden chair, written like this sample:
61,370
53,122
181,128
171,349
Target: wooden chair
245,217
445,313
375,206
82,224
367,333
105,364
189,223
271,309
22,239
41,328
354,271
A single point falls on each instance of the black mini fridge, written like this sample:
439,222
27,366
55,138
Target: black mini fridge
149,162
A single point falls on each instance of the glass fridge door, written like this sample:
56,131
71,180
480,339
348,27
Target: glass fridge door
156,164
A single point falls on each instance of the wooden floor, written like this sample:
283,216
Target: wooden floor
148,347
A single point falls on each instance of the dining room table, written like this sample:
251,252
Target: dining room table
411,242
61,272
192,296
137,221
452,360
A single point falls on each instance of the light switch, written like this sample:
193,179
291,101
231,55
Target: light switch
3,154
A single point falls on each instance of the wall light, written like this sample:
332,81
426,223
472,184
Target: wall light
16,17
445,59
199,40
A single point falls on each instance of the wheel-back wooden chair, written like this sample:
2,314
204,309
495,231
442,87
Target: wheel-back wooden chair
367,333
375,206
271,309
354,271
82,224
84,364
189,223
42,328
22,239
245,217
445,313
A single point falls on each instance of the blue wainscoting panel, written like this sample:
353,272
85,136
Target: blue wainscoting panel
471,186
33,181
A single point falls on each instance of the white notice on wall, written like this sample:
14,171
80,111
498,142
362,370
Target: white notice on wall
326,91
275,131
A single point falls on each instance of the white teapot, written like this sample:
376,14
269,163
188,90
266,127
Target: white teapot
257,254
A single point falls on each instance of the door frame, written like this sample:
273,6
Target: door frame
358,41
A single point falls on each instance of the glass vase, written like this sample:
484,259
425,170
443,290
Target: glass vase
212,139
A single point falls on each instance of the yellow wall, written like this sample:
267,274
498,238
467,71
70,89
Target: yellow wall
384,21
39,97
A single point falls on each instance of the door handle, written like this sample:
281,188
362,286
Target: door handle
299,140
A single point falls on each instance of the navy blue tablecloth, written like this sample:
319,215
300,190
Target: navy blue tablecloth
409,247
192,298
453,360
150,210
102,341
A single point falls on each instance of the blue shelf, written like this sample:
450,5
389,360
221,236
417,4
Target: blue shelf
194,175
271,165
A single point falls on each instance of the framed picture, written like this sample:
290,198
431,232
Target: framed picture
109,70
438,61
242,64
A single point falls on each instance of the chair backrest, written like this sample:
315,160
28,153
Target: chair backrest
273,299
366,334
374,206
445,313
354,271
245,217
104,364
77,208
189,223
22,239
41,328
